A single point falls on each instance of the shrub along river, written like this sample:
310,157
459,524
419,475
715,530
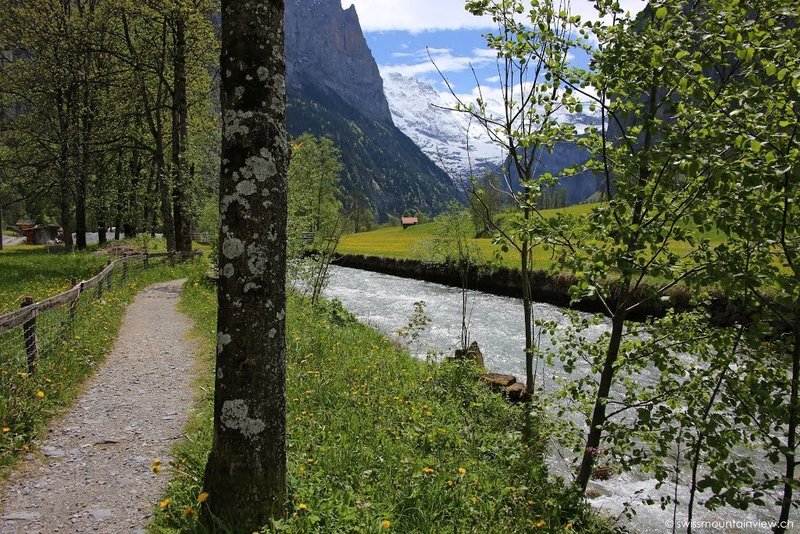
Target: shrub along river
386,302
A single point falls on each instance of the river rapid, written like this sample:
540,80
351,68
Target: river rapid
386,302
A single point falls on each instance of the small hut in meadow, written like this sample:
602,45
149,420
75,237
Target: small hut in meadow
408,221
41,234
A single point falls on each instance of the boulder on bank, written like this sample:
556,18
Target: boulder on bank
508,386
498,382
473,353
517,392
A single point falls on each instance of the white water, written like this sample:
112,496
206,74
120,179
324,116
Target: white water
386,302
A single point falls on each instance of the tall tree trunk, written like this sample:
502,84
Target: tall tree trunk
166,199
64,172
180,132
149,200
599,411
246,471
84,122
790,453
132,214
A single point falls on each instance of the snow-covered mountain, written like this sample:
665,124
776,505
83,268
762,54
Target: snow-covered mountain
423,113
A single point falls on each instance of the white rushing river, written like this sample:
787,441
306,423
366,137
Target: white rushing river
386,303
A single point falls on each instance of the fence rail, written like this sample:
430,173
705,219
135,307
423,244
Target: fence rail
57,313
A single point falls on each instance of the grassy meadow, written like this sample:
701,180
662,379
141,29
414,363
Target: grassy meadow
394,242
69,355
32,271
379,441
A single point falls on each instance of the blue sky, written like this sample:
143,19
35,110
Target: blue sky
399,31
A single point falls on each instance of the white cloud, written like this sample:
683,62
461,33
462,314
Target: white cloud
443,58
425,15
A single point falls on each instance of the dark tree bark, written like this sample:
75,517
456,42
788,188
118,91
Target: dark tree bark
152,110
246,471
132,211
180,134
64,105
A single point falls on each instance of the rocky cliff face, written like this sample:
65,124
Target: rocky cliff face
335,90
326,47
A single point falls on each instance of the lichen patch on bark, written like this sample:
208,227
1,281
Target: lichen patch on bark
235,417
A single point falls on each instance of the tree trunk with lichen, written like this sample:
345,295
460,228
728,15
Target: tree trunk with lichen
246,471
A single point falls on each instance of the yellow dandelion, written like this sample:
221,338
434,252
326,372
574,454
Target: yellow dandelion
6,429
203,497
188,512
450,483
155,467
163,504
386,524
539,524
302,506
427,470
462,471
40,394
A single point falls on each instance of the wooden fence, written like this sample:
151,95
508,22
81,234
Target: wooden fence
26,317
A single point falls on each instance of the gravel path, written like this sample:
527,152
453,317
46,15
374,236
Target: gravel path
94,471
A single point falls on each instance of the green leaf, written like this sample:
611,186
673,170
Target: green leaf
755,146
661,12
771,69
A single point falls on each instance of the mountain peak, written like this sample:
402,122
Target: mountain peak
325,47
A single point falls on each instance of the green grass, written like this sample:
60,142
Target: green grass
394,242
377,436
29,402
32,271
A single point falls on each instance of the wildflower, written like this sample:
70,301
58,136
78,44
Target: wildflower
155,467
6,429
462,471
203,497
302,506
427,470
188,512
539,524
163,504
22,375
40,394
386,524
450,483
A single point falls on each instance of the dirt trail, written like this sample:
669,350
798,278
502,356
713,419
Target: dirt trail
94,470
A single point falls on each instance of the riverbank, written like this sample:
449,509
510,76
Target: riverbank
547,288
378,440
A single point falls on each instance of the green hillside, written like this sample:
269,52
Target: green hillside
394,242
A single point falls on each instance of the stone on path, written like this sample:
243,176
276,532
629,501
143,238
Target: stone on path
96,472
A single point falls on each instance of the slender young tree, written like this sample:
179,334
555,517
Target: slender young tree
246,471
530,42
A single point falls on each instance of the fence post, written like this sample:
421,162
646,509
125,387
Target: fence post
108,276
99,293
29,336
73,306
124,270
